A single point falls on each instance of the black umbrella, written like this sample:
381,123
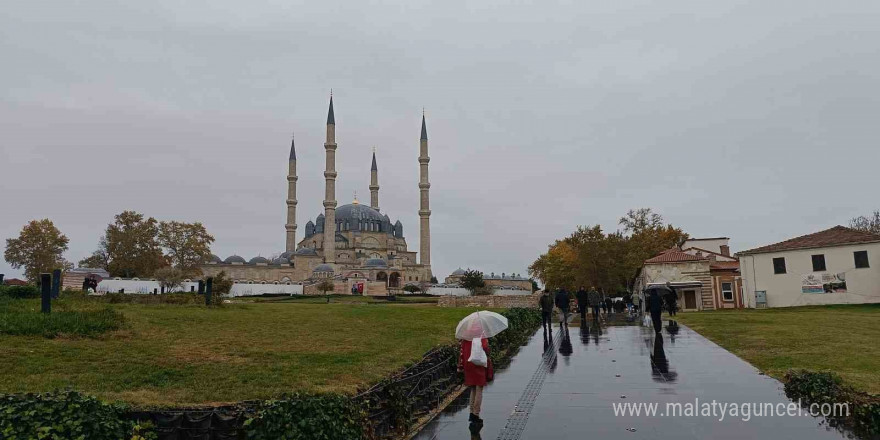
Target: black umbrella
662,289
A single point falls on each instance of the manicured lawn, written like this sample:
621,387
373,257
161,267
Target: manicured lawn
173,355
844,339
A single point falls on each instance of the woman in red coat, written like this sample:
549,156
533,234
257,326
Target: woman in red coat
475,376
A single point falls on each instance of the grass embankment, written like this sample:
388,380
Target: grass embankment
840,338
183,355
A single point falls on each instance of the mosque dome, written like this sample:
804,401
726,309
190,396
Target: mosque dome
259,260
356,211
306,251
323,268
280,261
375,262
234,259
458,271
214,259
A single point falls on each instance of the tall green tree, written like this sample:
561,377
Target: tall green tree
39,248
187,245
129,248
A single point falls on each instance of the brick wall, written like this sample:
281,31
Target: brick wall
490,301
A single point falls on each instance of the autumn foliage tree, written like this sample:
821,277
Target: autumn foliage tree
591,257
129,247
38,249
187,245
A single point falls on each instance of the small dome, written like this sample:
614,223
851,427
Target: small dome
324,268
306,251
375,262
458,271
234,259
214,259
259,260
280,261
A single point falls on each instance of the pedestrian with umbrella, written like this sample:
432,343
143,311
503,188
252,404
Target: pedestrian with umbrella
473,331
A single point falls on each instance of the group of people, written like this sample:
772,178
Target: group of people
586,301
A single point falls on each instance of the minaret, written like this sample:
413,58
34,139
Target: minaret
374,184
424,206
330,189
291,200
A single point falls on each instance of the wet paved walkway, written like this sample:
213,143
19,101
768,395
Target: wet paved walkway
592,370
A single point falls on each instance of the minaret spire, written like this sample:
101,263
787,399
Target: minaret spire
424,205
374,183
290,227
330,188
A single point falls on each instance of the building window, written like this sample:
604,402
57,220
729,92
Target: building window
818,263
861,258
727,291
779,265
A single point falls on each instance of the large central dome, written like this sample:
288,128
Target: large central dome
356,211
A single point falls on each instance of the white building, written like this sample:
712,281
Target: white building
835,266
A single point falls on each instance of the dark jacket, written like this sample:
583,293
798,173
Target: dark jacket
655,303
595,298
546,302
582,299
562,299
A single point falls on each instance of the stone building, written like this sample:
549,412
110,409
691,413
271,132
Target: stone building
503,281
704,278
349,243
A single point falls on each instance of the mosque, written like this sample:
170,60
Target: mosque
349,244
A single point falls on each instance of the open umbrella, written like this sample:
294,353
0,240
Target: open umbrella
483,324
662,289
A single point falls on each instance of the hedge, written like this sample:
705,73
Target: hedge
64,415
20,291
825,387
307,417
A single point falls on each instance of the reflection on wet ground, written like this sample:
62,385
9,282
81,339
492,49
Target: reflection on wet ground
610,365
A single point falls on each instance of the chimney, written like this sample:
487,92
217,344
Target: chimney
725,250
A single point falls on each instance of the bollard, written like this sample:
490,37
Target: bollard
46,292
56,283
201,287
209,286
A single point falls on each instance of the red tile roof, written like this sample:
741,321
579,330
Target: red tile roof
836,236
724,265
673,256
15,282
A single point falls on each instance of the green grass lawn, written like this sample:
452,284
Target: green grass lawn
844,339
180,355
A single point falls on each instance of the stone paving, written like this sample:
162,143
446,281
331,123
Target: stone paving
589,370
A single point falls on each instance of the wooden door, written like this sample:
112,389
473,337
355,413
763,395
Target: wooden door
690,299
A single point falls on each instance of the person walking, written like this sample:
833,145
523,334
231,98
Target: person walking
606,305
475,376
636,301
546,302
582,303
563,302
594,299
672,303
655,306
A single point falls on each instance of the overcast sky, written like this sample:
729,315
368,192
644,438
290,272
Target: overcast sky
755,120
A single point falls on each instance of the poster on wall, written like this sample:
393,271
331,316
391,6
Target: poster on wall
824,283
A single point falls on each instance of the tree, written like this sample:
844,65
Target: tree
535,287
38,248
473,280
326,286
222,284
170,278
867,223
607,261
187,245
129,247
434,280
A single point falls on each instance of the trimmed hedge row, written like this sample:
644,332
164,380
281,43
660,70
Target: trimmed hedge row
826,387
20,291
69,414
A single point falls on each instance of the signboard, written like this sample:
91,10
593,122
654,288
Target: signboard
823,283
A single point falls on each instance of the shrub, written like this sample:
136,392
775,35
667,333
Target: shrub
825,387
20,291
307,416
61,415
